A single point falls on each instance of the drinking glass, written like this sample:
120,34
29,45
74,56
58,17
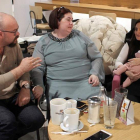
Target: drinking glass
110,109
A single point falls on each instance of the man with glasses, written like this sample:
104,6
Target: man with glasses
18,114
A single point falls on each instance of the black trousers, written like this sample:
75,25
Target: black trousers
17,121
133,89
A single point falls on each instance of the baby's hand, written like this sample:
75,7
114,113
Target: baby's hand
137,55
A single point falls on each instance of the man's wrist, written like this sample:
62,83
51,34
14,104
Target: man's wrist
26,86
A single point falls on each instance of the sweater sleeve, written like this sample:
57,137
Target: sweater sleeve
95,57
38,72
122,56
7,78
25,76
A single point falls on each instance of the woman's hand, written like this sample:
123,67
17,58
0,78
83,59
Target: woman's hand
134,61
94,80
37,91
133,76
119,66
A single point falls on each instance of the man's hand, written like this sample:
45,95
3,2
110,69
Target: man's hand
29,63
37,91
26,65
134,61
94,80
23,97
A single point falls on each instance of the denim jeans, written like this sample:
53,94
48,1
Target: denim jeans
17,121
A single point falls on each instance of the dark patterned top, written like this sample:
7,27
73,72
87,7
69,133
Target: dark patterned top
60,40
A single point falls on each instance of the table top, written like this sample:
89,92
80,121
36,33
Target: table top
125,12
119,132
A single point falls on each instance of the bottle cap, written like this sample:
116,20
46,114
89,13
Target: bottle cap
102,87
94,100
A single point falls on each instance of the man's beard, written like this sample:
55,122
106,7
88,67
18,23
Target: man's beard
13,43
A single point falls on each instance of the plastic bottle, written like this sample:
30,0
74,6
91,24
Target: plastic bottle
102,96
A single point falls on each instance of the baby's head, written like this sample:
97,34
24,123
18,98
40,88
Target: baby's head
137,55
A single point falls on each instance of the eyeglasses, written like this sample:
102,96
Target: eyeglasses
14,32
60,9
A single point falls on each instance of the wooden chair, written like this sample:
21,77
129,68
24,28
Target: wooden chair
112,15
37,15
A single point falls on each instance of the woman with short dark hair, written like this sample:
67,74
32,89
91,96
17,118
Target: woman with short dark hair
72,63
56,15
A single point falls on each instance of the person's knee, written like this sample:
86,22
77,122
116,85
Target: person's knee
33,119
10,121
8,124
38,120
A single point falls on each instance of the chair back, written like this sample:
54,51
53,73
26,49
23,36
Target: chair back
36,12
112,15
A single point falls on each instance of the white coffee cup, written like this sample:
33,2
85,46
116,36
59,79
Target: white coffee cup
57,107
71,118
71,103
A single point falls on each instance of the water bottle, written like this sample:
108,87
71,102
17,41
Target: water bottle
102,96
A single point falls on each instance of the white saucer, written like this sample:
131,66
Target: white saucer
80,126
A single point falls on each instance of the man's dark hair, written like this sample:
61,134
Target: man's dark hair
56,15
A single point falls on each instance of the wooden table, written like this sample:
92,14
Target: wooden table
85,8
119,132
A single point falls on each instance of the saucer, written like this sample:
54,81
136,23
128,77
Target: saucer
80,126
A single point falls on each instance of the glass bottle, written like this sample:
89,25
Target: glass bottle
102,96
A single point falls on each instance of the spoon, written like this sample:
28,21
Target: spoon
92,124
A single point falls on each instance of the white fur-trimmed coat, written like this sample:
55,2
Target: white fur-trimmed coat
107,35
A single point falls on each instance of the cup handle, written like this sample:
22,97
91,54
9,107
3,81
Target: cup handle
69,104
65,123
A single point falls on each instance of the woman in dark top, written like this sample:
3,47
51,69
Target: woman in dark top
128,54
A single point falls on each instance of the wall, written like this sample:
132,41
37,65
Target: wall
6,6
21,13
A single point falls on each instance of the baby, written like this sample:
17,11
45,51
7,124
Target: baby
127,67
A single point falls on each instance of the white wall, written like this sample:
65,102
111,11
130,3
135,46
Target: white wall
21,13
6,6
125,22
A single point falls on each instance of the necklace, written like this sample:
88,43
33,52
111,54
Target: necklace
60,40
